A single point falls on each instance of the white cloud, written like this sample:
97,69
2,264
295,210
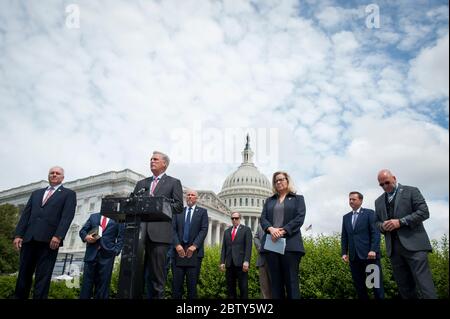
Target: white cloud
428,74
104,96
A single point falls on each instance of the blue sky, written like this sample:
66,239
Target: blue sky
98,85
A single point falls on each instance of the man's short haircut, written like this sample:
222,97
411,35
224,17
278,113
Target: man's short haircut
360,196
165,157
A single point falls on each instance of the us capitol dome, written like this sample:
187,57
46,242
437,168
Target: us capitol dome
246,189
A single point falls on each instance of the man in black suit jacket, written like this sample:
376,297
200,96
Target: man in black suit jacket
159,234
101,250
40,232
400,212
190,229
360,244
235,256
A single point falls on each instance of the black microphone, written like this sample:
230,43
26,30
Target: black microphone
141,191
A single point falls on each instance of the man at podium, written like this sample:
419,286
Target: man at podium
159,235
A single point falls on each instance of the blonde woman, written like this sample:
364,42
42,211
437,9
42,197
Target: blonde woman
282,216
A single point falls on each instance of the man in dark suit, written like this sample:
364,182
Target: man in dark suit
400,212
102,247
235,257
159,234
190,231
360,244
40,232
261,264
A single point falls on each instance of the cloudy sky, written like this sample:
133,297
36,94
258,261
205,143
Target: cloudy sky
331,91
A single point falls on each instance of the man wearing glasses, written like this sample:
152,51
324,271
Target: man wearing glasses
235,257
400,212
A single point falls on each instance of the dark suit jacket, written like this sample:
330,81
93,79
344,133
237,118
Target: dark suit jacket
239,250
364,238
41,223
260,260
169,187
410,205
294,216
198,228
111,241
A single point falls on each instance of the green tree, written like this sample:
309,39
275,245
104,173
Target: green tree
9,257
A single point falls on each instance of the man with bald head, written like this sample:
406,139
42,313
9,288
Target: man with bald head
42,227
190,229
400,212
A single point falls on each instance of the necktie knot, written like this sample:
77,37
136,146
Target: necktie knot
49,193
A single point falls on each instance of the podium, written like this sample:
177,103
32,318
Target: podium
134,212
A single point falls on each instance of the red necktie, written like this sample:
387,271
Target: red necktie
233,233
103,225
155,181
50,193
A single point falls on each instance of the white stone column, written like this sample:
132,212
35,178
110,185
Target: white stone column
208,235
255,224
218,238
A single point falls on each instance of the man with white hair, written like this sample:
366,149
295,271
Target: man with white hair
159,235
42,227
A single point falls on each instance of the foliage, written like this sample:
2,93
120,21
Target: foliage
323,275
9,257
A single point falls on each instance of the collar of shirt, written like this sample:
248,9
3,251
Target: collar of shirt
192,212
54,187
159,176
357,211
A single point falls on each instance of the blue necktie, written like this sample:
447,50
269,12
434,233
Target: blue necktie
355,217
187,225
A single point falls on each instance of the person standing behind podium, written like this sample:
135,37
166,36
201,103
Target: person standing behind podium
100,254
190,231
282,216
40,232
159,235
235,257
360,245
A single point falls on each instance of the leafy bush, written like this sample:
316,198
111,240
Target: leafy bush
323,275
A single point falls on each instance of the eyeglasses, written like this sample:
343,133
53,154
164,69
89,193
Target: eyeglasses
280,180
235,218
385,183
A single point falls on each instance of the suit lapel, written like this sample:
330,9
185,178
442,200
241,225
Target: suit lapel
54,195
160,184
397,198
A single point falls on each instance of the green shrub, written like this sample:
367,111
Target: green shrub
323,275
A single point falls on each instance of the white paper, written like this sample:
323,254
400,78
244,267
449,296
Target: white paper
278,247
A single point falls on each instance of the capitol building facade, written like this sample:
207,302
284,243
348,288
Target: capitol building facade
245,190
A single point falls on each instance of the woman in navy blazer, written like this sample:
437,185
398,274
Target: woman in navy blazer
282,216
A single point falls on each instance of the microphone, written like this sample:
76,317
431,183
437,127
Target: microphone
141,191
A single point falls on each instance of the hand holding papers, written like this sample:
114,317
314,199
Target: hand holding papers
277,247
96,232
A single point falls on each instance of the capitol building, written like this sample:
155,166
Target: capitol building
245,190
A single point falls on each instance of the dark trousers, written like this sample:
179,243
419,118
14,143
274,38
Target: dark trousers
358,270
235,274
284,276
155,268
412,272
97,276
39,259
191,275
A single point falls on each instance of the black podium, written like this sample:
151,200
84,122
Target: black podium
134,212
